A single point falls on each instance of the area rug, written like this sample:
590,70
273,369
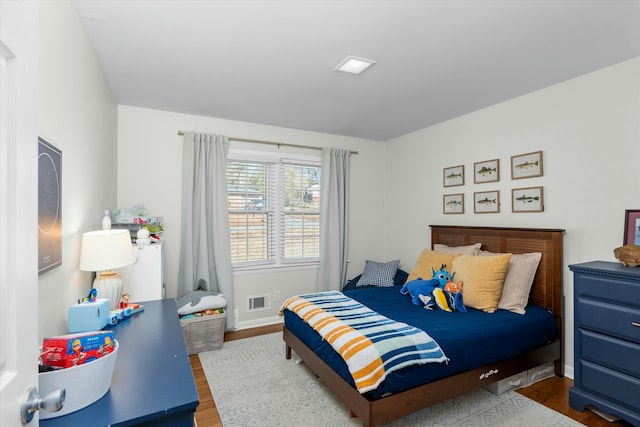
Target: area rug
254,385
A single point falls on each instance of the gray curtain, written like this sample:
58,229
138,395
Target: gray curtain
205,254
334,219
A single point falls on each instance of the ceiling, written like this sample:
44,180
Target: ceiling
272,62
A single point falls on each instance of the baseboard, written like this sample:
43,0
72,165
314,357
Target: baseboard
568,371
267,321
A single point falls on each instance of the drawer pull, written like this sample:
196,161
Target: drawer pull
636,324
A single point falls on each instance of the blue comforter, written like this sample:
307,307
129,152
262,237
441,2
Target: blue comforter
469,340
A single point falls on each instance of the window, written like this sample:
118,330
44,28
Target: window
274,211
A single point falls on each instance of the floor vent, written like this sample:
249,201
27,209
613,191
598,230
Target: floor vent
258,302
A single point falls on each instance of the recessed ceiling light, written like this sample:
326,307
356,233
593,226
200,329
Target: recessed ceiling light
354,65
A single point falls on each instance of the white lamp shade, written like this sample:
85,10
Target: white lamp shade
105,250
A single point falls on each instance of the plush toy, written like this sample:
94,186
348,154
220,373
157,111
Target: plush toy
453,291
423,287
440,291
437,298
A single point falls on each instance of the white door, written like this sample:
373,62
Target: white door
18,207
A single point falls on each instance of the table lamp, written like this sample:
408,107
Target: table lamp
102,251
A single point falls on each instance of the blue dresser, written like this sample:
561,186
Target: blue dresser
152,383
607,339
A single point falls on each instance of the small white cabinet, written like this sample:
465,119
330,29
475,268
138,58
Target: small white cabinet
144,279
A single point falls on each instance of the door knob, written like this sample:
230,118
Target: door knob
52,402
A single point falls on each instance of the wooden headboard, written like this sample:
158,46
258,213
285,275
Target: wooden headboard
547,285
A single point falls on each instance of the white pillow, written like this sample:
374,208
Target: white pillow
517,284
462,250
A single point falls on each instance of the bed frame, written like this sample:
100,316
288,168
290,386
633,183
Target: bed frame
546,292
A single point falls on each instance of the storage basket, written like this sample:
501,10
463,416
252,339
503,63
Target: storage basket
84,384
203,333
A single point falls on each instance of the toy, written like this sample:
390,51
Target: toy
420,286
453,291
440,291
66,351
124,301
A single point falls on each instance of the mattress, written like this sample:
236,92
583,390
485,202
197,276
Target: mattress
469,340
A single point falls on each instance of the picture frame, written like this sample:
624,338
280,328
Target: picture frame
49,206
453,203
528,165
529,199
453,176
631,227
486,171
486,202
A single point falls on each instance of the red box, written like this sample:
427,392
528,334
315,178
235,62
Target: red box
66,351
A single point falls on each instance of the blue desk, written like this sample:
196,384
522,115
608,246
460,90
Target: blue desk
152,382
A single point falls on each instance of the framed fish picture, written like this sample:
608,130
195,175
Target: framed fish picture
527,165
487,171
453,176
486,202
453,203
529,199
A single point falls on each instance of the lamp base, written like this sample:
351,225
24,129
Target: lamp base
109,285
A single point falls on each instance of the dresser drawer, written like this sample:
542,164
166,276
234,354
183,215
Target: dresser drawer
610,384
615,320
609,289
619,355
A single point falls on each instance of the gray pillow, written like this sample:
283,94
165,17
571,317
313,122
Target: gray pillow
378,273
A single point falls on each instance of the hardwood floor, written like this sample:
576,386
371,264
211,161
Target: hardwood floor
552,392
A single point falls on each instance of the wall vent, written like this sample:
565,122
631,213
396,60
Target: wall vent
258,302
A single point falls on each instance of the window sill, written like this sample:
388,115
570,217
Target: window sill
281,268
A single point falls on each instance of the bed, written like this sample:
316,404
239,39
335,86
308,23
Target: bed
431,384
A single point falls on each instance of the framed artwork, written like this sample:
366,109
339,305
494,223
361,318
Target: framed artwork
631,227
49,206
453,203
487,171
453,176
526,165
486,201
529,199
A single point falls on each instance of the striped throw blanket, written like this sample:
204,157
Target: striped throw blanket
371,345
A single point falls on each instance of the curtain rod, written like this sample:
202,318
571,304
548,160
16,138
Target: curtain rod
279,144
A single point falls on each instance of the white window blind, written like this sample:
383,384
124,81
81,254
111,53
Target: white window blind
300,215
274,215
251,187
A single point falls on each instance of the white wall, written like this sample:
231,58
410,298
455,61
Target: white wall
77,114
589,131
149,172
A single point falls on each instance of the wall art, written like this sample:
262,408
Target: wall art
49,206
453,176
487,171
486,201
529,199
527,165
453,203
631,227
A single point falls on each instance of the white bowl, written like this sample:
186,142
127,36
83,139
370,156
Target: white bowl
84,384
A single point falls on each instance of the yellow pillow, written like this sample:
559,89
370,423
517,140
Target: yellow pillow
482,278
427,260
